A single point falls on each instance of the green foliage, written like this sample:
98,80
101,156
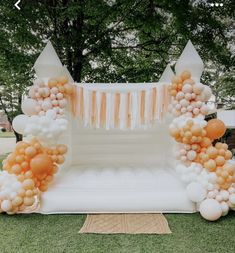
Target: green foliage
110,41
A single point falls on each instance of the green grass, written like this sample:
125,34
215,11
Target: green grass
6,134
59,233
2,157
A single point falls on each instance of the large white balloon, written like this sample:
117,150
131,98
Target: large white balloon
19,123
196,192
210,209
29,106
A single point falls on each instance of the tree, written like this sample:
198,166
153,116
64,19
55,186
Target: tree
110,40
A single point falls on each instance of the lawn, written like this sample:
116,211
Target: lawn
59,233
6,134
2,157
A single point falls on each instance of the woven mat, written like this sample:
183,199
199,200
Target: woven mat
125,224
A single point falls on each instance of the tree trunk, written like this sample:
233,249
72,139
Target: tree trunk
19,137
77,70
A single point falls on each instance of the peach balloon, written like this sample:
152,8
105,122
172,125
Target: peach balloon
219,145
63,79
196,130
40,164
210,165
220,161
206,142
212,152
62,149
28,184
185,75
215,129
228,154
30,151
52,82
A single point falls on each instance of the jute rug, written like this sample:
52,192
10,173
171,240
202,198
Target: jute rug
125,224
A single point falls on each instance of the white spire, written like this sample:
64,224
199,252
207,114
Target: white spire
48,63
67,73
191,61
167,75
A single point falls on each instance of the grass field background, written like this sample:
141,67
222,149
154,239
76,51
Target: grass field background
6,134
59,233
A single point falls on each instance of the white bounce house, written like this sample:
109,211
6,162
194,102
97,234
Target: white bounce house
121,155
114,168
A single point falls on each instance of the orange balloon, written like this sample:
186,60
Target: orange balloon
62,149
40,164
219,145
212,152
228,154
196,130
210,165
30,151
220,161
206,142
215,129
185,75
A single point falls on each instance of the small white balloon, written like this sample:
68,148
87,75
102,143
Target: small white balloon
224,194
210,209
6,205
29,106
196,192
232,199
19,123
224,207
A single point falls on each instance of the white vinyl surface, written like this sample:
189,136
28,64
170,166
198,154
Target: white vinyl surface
117,171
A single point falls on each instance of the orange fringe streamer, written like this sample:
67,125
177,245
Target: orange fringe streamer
103,110
81,103
142,106
128,110
93,108
154,100
74,101
116,109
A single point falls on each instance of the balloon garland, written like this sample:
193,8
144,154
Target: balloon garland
207,169
31,167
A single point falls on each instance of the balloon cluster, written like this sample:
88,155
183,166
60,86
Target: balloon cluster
48,96
16,193
32,160
47,128
31,167
188,97
207,170
45,111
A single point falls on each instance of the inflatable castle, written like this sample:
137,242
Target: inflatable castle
118,147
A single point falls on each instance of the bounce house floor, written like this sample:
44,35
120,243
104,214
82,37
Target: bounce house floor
92,189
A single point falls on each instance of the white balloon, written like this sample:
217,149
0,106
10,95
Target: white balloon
196,192
224,207
6,205
207,92
19,123
232,199
210,209
224,194
29,106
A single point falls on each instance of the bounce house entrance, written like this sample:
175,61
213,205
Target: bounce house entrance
118,169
